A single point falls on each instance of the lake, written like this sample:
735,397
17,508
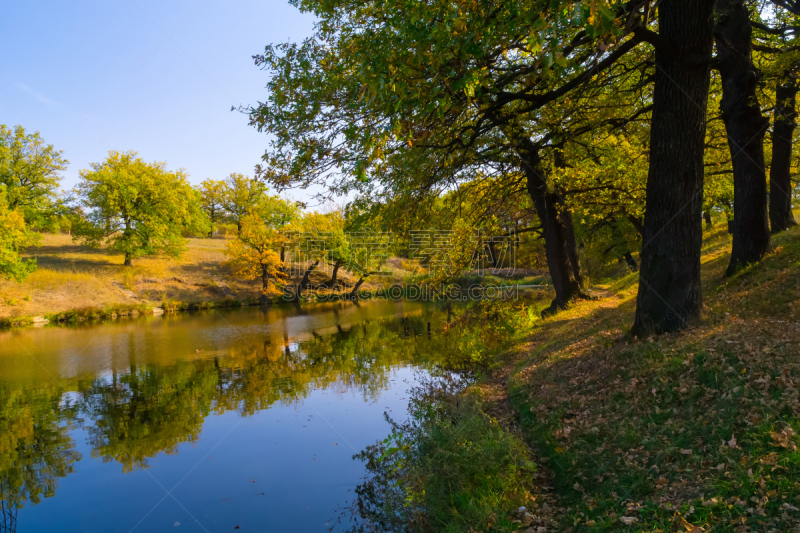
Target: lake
205,421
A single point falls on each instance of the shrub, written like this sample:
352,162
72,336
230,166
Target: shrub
450,468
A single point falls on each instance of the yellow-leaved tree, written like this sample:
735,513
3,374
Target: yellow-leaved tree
252,255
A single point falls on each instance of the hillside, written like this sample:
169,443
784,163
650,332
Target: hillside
693,431
70,276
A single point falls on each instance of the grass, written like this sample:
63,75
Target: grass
692,431
81,282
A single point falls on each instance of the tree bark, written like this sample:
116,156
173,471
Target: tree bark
572,245
780,181
547,208
745,127
707,218
128,261
669,283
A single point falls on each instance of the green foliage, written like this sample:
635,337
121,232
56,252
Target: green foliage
29,170
14,236
138,208
450,468
212,196
240,195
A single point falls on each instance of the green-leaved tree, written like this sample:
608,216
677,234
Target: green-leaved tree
137,208
14,235
29,170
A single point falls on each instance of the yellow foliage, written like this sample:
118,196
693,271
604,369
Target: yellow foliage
252,254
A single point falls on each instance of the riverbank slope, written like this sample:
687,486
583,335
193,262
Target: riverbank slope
72,277
694,431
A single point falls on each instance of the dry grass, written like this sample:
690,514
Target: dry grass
70,276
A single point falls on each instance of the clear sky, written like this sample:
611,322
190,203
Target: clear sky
99,75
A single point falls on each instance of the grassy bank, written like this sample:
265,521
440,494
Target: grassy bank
693,431
78,282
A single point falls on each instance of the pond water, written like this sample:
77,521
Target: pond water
205,421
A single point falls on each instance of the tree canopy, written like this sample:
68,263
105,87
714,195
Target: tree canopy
137,208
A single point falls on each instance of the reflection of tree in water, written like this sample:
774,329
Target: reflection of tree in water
134,416
35,446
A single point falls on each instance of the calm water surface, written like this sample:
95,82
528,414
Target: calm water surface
202,422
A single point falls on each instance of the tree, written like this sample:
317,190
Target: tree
382,82
745,126
781,187
330,229
29,170
14,236
669,282
212,200
252,254
281,215
241,195
137,208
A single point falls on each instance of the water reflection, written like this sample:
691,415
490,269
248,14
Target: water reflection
147,388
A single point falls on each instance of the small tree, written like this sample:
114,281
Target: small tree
330,229
14,236
252,255
29,170
281,215
241,195
138,208
212,200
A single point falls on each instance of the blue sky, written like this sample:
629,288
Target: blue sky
94,76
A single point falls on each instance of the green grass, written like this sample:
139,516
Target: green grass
692,431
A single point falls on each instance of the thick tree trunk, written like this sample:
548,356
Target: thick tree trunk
780,181
669,288
547,208
572,245
745,127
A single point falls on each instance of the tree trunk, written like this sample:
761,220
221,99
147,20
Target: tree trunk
780,181
493,252
128,261
621,246
745,127
669,282
304,282
707,218
354,292
572,245
264,285
334,275
637,224
546,203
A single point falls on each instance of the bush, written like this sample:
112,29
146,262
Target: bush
450,468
